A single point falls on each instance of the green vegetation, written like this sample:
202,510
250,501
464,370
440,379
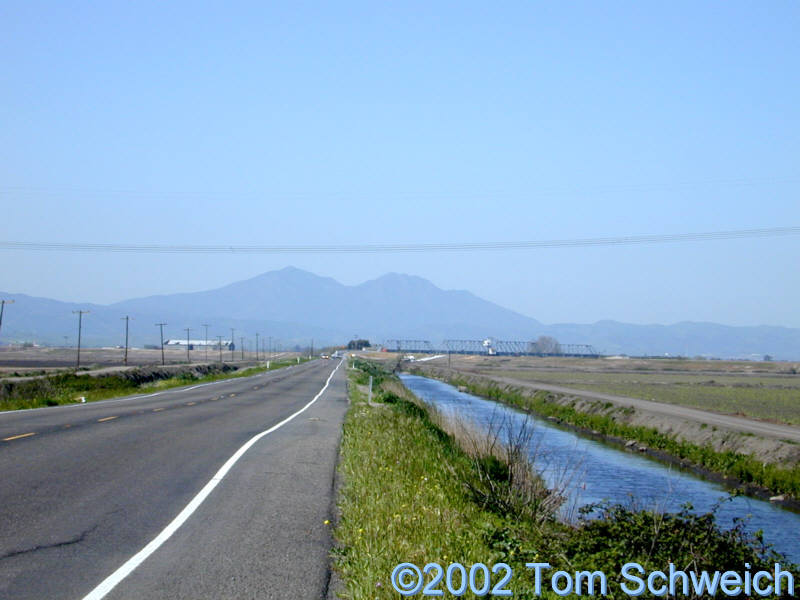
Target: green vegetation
68,388
742,467
365,369
762,397
411,492
358,344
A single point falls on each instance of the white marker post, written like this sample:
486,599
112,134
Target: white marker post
370,388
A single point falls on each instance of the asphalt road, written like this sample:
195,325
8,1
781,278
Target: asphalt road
740,424
86,487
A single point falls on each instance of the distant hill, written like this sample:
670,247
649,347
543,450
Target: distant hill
295,306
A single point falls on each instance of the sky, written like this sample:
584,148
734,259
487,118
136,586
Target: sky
307,123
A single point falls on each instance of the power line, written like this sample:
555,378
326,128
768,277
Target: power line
188,346
628,240
127,320
80,314
161,328
2,308
206,325
490,194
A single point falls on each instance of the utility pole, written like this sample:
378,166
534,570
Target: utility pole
241,341
233,357
312,350
126,318
219,337
206,346
80,314
2,307
256,346
161,325
269,348
188,359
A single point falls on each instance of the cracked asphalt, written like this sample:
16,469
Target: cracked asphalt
85,487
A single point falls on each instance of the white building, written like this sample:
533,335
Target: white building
214,344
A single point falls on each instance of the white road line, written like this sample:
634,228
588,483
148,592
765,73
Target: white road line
126,569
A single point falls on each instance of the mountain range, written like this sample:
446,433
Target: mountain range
296,306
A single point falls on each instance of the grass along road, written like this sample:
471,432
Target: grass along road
69,388
410,492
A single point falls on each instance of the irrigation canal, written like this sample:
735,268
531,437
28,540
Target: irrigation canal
590,471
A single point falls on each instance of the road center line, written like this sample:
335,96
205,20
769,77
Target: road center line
105,419
16,437
110,582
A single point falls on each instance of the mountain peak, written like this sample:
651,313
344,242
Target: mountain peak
401,280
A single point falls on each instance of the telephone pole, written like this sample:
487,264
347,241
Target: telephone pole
80,314
2,307
233,357
188,359
161,326
126,318
256,346
269,348
206,346
312,350
219,337
241,341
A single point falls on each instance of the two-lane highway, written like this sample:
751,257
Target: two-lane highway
86,487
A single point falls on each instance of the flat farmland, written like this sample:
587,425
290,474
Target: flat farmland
767,391
35,361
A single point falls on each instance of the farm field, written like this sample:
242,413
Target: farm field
767,391
40,360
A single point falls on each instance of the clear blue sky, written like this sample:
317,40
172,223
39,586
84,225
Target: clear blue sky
313,123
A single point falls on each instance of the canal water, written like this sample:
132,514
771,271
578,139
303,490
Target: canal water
589,471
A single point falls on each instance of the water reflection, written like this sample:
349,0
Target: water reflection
589,471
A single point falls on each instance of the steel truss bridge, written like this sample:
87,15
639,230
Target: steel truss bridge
490,347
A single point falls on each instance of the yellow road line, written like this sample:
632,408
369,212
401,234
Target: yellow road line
105,419
191,403
16,437
158,409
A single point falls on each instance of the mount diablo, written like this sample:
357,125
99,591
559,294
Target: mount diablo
294,306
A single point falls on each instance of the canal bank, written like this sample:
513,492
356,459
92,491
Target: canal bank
599,473
410,492
760,467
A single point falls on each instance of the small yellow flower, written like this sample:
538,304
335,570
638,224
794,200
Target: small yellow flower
327,522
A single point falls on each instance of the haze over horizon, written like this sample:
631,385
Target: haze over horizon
295,306
317,124
349,285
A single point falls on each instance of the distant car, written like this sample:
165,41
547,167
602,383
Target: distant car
324,356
